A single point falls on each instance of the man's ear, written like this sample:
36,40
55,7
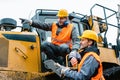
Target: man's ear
90,42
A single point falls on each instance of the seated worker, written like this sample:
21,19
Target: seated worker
89,64
64,36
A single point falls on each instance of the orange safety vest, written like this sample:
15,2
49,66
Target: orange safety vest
99,76
63,37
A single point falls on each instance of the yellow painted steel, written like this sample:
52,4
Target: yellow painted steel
96,25
21,61
25,59
20,56
108,55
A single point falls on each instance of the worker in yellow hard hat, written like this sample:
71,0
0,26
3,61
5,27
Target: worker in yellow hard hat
88,42
64,36
89,64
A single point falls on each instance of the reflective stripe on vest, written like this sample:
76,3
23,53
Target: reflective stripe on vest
64,36
99,76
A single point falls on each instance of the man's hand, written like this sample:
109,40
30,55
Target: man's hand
74,57
74,61
25,21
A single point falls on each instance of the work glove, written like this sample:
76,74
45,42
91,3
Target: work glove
55,67
61,69
26,21
74,54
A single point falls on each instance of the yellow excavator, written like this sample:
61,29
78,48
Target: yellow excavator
21,57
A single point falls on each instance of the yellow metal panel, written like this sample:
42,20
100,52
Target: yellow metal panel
108,55
25,59
39,53
21,57
95,26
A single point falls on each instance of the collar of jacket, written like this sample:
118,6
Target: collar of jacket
64,25
89,49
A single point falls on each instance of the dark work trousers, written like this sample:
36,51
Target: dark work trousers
55,52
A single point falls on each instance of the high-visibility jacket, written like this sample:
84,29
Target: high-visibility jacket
99,75
64,36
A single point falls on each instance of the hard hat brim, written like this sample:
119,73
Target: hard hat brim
80,37
61,16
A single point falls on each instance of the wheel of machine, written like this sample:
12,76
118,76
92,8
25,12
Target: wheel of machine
8,22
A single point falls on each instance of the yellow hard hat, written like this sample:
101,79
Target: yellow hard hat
62,13
89,34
